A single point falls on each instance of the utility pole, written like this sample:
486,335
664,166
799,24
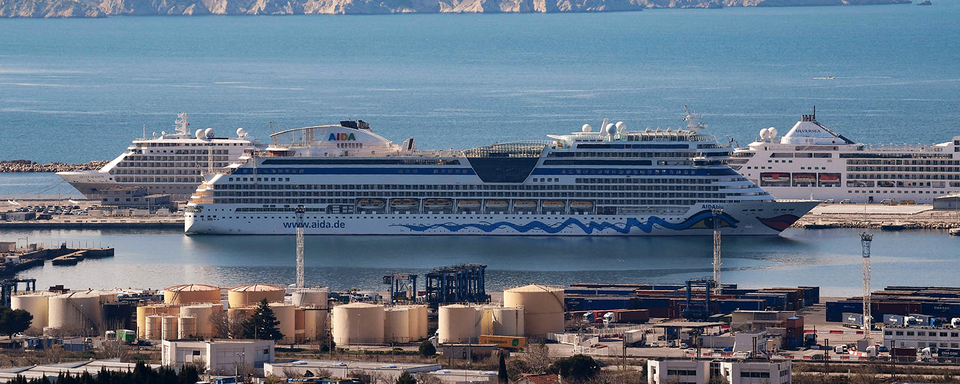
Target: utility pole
716,249
865,240
300,210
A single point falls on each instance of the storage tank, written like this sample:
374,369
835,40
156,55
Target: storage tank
486,320
75,311
358,323
203,314
232,313
397,325
251,294
168,328
186,294
508,321
314,323
36,304
107,296
423,322
542,308
298,325
286,315
311,297
458,324
152,329
143,312
413,313
186,327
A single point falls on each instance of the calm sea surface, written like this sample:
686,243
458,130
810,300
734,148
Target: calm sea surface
80,90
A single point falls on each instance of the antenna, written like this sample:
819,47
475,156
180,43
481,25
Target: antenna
716,248
865,240
300,210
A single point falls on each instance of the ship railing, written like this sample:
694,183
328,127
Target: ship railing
530,148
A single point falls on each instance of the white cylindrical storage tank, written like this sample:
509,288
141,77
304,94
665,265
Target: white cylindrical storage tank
413,313
252,294
202,313
77,312
154,324
36,304
286,315
458,324
314,323
508,321
543,308
424,330
168,328
186,327
311,298
186,294
396,325
358,323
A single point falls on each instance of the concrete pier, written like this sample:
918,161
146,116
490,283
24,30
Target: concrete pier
914,216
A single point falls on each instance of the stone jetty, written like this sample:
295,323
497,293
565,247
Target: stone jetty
7,166
879,216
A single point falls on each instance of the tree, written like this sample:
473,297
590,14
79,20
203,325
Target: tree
406,378
14,321
427,349
502,372
576,367
263,324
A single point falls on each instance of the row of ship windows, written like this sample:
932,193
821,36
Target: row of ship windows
903,162
196,180
400,187
608,202
685,155
703,195
176,164
904,169
873,176
579,180
139,155
148,171
194,145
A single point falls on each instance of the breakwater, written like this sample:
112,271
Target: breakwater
877,216
58,256
7,166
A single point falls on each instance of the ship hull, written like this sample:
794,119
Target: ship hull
759,218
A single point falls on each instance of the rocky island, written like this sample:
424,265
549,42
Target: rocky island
103,8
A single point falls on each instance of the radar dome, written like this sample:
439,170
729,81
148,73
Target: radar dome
610,129
621,127
586,128
163,133
199,134
773,132
241,132
764,133
208,133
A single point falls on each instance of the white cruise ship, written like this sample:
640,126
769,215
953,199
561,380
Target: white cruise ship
347,180
171,163
814,162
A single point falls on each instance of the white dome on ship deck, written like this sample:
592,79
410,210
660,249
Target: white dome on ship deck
586,128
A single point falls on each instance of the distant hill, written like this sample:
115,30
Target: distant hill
103,8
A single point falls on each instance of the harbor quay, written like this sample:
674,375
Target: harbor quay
444,325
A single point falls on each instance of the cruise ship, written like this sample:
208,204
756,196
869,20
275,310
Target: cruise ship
814,162
347,180
171,163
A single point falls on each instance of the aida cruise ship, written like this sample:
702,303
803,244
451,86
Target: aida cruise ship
171,163
814,162
347,180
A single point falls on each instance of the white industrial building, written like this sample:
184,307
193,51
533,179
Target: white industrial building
343,369
921,337
684,371
219,355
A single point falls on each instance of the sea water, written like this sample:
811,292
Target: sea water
78,90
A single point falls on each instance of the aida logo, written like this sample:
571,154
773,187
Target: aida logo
342,137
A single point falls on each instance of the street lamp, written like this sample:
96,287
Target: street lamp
243,358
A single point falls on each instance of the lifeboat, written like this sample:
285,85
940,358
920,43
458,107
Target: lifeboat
371,204
804,178
469,205
525,205
404,204
553,205
886,184
437,203
829,178
579,205
496,205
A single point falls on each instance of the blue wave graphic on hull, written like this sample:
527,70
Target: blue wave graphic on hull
700,220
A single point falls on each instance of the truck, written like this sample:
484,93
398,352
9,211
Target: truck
506,342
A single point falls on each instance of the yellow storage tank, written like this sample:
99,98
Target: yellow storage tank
314,323
36,304
251,294
154,324
508,321
458,324
311,298
286,315
186,294
168,327
397,325
543,308
358,323
416,318
186,327
203,314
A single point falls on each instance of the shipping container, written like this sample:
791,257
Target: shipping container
852,318
835,309
893,319
811,295
600,291
946,352
508,342
652,302
728,306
